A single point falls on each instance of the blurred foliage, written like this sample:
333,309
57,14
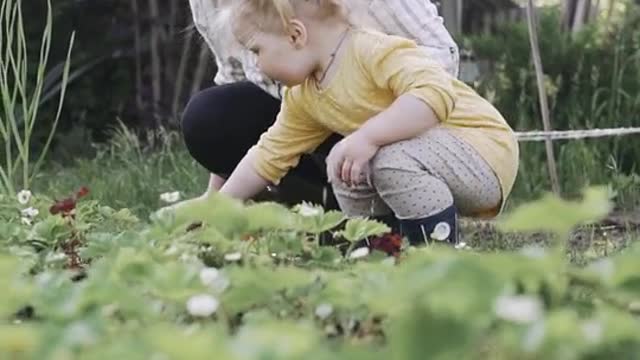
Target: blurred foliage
591,82
105,49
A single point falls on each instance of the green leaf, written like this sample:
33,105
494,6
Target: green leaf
18,288
359,229
175,342
125,215
18,342
276,340
320,223
557,215
257,286
620,272
326,255
421,333
50,230
220,211
269,216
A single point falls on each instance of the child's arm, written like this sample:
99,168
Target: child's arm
278,150
244,182
406,118
424,97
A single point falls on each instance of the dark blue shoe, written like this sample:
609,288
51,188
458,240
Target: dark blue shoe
439,228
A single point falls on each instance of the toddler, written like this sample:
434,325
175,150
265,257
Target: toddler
419,145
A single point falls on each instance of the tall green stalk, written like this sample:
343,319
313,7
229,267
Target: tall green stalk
21,97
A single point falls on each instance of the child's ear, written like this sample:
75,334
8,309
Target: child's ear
297,34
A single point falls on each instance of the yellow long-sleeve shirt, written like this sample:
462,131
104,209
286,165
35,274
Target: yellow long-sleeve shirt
375,70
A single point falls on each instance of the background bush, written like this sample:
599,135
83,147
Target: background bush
592,81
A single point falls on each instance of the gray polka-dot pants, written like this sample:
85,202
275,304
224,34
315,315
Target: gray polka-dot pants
417,178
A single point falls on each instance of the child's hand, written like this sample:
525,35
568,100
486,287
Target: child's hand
176,210
349,159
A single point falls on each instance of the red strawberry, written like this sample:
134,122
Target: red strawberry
391,244
64,206
82,192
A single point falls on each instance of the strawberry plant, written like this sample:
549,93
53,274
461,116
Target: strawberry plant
85,281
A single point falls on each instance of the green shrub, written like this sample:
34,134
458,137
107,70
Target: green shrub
591,81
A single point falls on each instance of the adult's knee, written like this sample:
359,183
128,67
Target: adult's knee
200,118
221,123
204,132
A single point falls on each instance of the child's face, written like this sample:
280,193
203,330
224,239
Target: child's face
283,58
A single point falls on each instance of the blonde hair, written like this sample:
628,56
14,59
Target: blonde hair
274,16
243,18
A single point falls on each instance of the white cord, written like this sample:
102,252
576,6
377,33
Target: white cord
574,134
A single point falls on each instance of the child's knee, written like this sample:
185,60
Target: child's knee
388,166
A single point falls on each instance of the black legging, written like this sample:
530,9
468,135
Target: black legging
220,124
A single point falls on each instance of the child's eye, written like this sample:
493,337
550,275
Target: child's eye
254,50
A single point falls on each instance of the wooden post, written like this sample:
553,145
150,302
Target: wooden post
156,73
451,11
137,45
542,94
580,15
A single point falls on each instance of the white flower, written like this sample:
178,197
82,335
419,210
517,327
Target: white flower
592,331
160,356
323,311
55,257
170,197
359,253
26,221
172,250
202,305
157,306
208,275
520,309
236,256
534,252
461,246
605,268
307,210
30,212
187,258
80,333
214,279
24,196
389,261
441,232
534,337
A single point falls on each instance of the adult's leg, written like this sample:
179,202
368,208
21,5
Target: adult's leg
220,124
